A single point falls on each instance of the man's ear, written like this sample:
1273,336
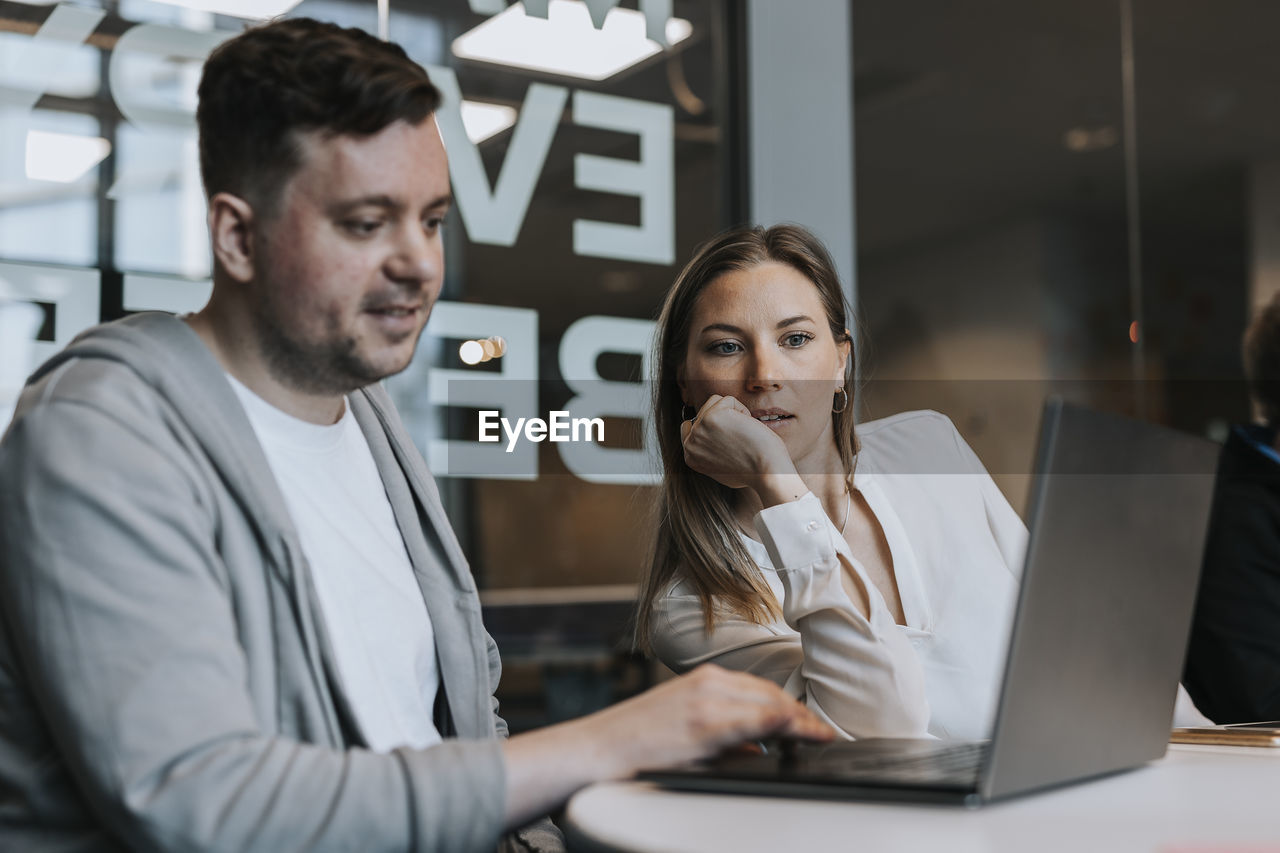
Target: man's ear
231,231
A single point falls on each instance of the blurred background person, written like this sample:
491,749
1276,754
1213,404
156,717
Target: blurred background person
1233,660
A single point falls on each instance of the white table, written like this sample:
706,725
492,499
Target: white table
1198,799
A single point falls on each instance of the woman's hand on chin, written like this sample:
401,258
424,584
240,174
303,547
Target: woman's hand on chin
725,443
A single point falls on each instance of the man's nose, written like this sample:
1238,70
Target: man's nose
418,256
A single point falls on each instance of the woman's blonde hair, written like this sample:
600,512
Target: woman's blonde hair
696,529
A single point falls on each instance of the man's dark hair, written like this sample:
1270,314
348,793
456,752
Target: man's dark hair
263,88
1262,360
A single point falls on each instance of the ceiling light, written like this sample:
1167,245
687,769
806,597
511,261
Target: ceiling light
63,157
485,120
566,42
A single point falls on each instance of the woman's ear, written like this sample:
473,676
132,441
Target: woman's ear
844,349
231,232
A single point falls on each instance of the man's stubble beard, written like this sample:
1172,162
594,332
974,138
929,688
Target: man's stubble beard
333,367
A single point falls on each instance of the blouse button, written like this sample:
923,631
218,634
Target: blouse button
811,526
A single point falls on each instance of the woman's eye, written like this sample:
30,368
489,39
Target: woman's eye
797,339
725,348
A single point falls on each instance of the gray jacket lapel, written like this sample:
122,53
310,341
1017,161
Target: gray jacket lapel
441,569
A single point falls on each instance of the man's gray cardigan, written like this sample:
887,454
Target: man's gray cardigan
164,676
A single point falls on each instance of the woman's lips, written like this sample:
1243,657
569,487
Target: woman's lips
774,419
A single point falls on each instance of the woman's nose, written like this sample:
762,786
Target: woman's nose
763,372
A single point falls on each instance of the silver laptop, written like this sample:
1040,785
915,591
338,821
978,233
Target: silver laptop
1118,517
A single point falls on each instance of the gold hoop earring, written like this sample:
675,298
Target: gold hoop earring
684,406
844,401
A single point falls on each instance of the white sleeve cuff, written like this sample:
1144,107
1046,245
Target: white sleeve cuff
797,534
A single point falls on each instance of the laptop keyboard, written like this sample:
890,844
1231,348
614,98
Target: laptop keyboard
949,764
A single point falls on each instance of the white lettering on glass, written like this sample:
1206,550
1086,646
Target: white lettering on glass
41,58
143,98
495,216
74,294
492,215
513,388
580,348
651,178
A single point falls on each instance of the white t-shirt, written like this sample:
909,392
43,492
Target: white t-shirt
377,622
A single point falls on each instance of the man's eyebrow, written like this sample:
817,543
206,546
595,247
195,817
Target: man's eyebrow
384,201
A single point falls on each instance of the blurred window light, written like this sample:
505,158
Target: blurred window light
253,9
566,42
471,352
363,15
485,120
63,157
45,221
159,202
49,66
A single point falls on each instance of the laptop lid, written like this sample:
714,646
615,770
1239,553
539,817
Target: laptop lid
1118,518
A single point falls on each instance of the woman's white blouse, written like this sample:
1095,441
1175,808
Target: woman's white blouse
957,549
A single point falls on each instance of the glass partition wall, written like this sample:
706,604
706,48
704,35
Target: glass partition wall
1062,196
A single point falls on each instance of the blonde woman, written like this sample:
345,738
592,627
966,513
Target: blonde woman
871,574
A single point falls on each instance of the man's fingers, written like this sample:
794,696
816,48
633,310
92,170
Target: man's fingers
706,711
746,707
793,717
738,722
808,726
